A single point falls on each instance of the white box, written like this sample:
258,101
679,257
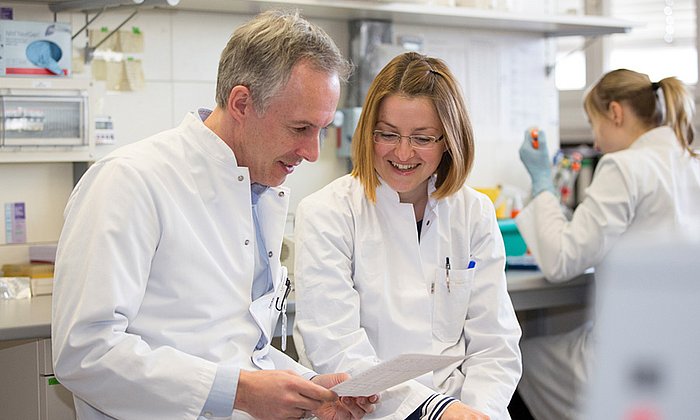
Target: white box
35,48
41,286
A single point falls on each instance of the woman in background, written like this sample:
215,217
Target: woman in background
400,256
647,181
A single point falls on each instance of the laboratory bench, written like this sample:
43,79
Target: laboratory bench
29,387
25,318
528,289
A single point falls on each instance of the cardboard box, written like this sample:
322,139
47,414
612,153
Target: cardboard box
35,48
33,270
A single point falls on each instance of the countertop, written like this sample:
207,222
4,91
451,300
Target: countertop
25,318
31,318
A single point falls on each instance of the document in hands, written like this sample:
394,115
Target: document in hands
392,372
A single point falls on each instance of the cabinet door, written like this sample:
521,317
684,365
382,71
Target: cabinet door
28,389
19,375
55,401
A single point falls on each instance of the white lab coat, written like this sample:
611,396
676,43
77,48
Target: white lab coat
652,186
363,293
153,278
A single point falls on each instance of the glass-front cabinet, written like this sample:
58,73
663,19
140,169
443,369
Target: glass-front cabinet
43,120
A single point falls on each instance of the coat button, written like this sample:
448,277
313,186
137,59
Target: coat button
246,242
427,223
241,177
269,254
281,194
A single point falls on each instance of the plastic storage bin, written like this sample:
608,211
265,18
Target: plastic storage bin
515,245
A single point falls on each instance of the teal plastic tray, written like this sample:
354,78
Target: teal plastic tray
515,245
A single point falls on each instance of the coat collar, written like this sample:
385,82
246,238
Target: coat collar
201,137
386,194
656,136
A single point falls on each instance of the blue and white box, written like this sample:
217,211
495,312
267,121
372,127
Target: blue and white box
15,223
35,48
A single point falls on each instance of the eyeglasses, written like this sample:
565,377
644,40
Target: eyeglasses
419,141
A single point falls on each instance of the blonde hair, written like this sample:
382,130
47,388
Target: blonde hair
262,52
415,75
676,109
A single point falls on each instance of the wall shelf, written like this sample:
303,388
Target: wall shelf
407,13
423,14
44,156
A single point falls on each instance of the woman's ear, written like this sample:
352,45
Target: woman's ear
616,113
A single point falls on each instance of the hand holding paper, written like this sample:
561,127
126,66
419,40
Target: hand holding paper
392,372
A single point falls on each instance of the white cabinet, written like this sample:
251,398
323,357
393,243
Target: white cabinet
28,389
45,120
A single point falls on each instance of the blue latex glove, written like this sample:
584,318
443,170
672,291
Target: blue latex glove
537,163
45,54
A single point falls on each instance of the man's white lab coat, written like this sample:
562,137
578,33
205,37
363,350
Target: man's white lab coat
153,277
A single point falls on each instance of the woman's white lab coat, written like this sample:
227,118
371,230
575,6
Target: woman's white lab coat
367,290
153,278
653,186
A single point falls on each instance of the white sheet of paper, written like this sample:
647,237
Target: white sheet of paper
392,372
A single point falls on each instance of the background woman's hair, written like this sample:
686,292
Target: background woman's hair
667,102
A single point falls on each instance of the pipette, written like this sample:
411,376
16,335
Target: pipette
534,134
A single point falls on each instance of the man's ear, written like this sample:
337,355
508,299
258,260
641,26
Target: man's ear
240,102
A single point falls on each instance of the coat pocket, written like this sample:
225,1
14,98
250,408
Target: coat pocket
450,303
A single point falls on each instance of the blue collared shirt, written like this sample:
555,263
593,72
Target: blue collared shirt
220,400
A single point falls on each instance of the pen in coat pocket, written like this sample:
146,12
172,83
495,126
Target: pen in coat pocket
447,273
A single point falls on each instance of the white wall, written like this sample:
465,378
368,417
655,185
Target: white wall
502,75
180,61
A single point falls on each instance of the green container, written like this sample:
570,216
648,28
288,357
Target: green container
515,245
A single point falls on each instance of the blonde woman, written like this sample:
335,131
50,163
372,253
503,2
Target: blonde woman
400,256
647,181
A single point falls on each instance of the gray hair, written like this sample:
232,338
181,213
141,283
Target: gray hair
262,52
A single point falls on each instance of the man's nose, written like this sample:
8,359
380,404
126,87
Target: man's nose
309,150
